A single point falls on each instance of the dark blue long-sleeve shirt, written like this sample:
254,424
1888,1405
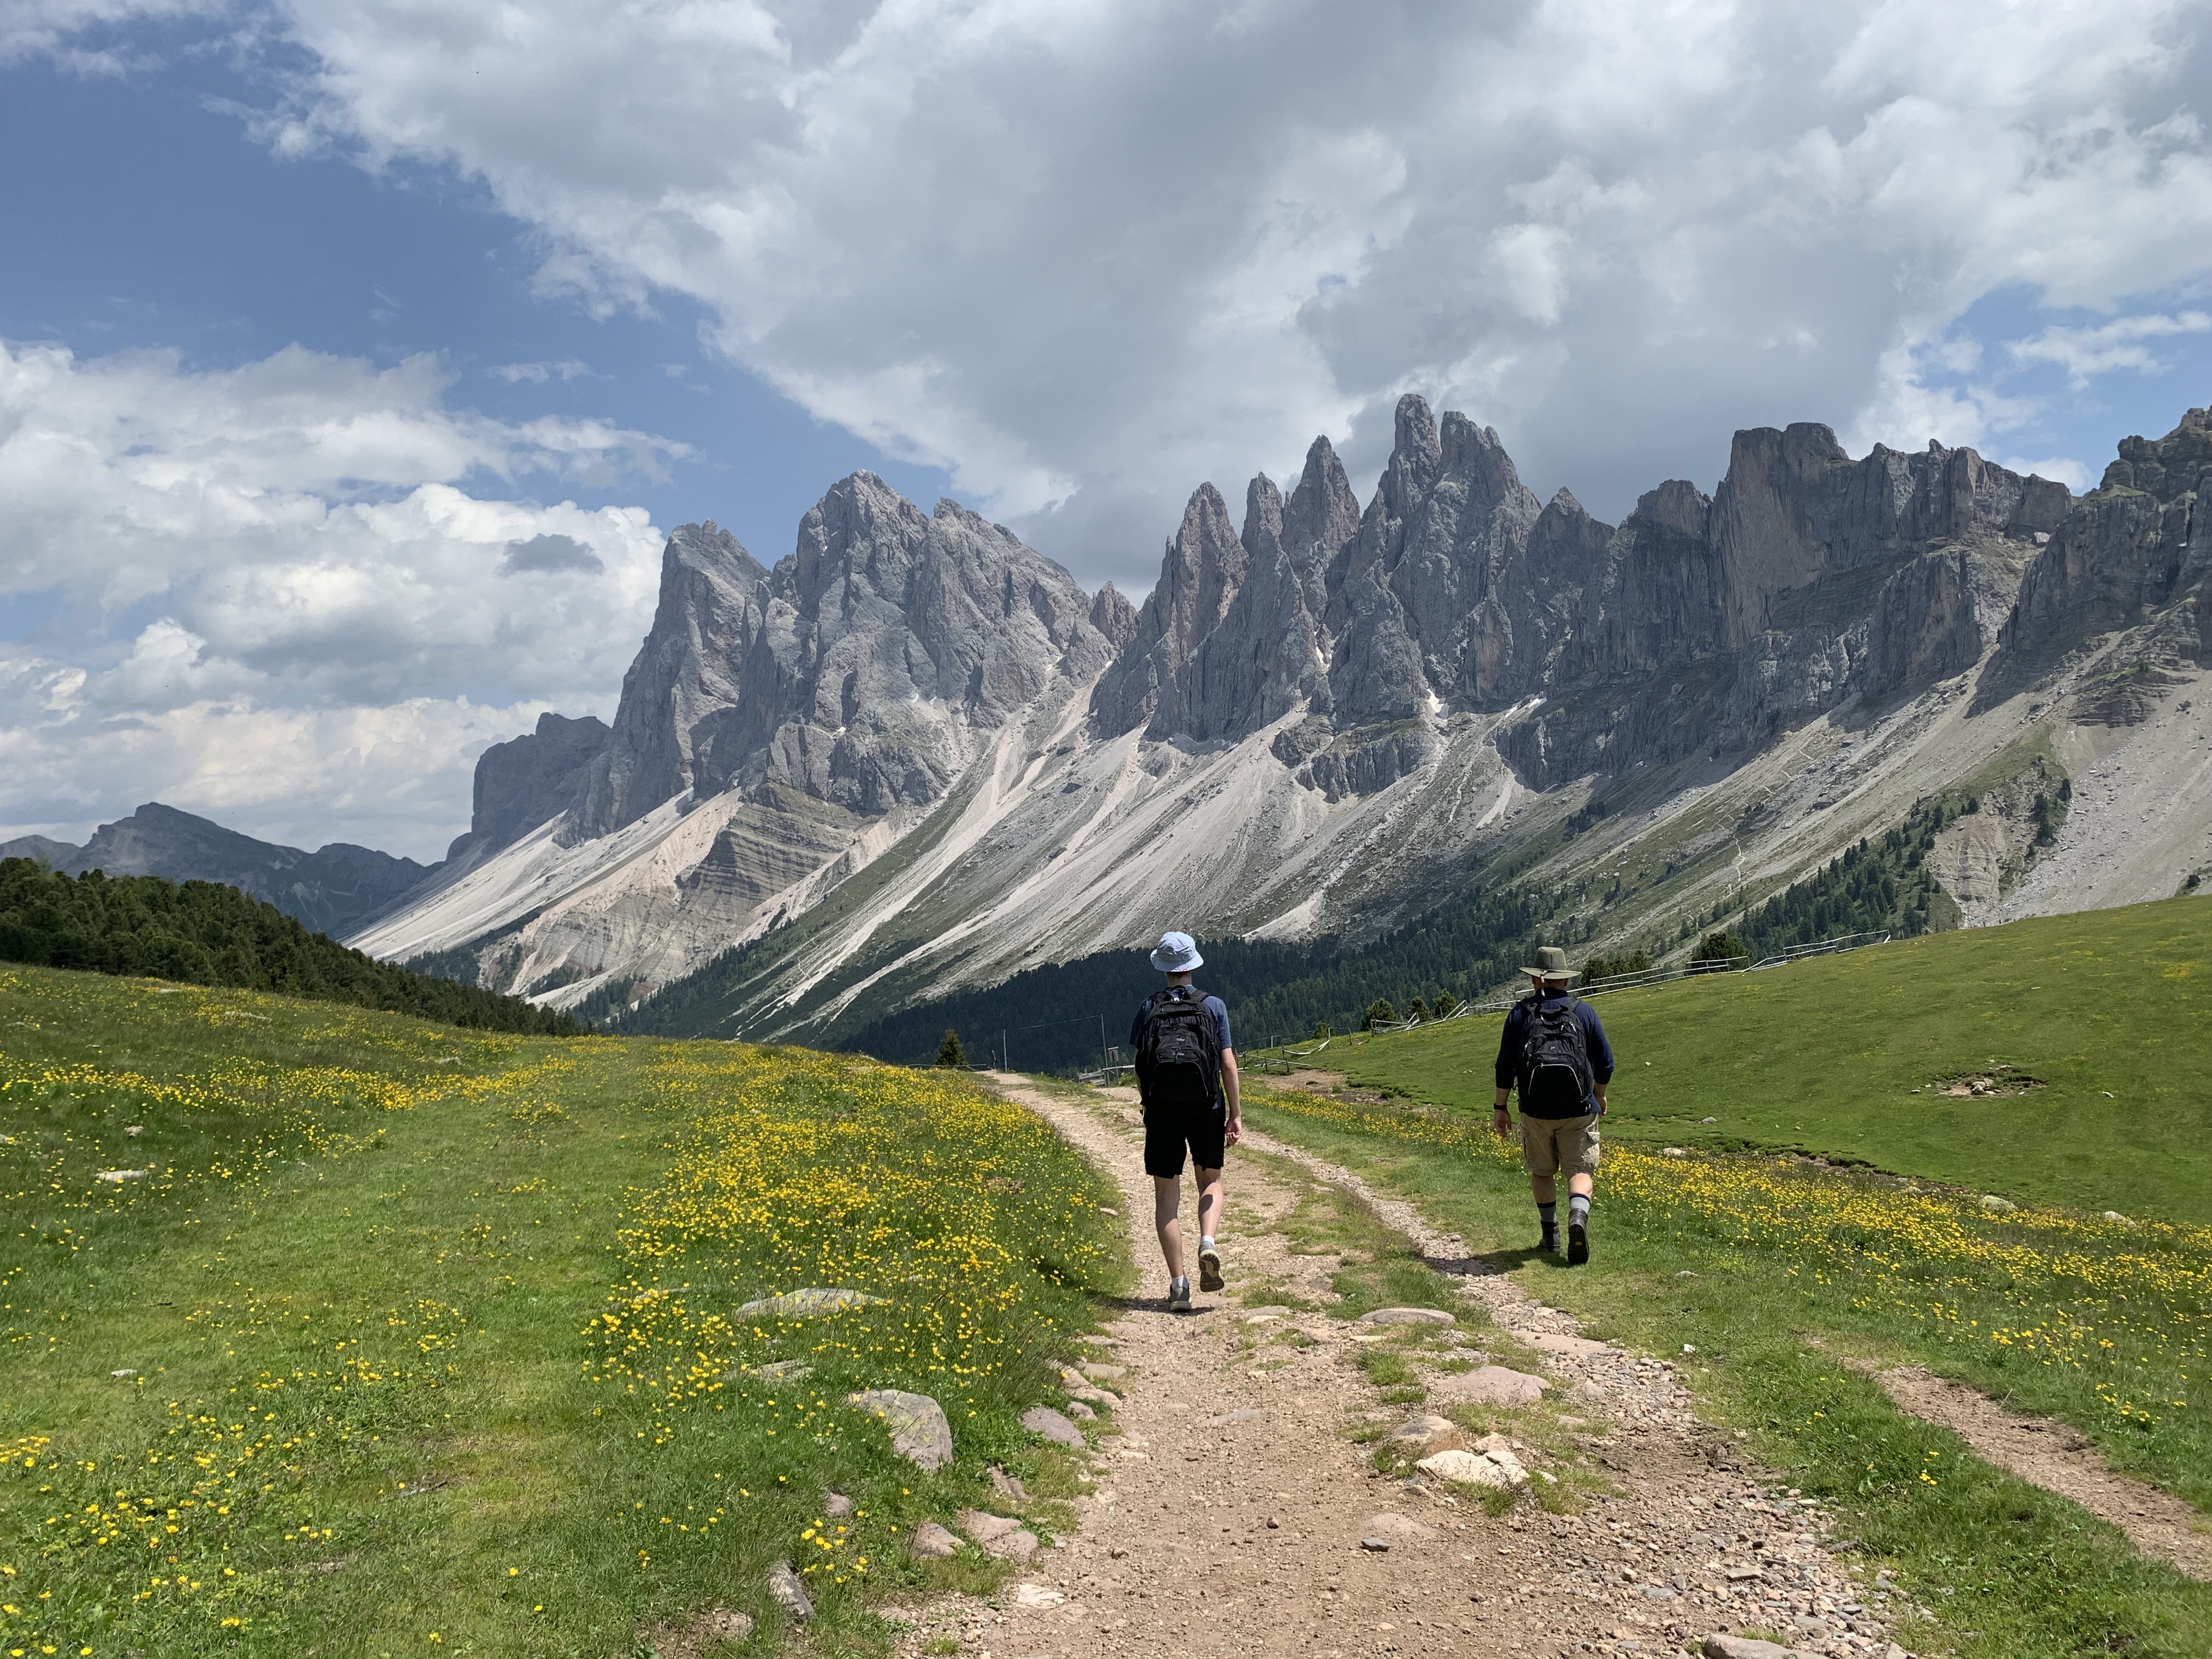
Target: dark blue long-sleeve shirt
1514,1039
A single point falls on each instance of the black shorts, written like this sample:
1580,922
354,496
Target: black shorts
1168,1130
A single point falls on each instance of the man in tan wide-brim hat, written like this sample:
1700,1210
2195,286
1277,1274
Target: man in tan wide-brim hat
1554,1050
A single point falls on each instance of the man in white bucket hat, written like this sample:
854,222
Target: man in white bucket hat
1187,1074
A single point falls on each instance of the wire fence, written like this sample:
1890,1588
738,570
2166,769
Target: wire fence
1629,981
1115,1069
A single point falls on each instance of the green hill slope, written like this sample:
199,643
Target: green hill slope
202,932
330,1331
2103,1020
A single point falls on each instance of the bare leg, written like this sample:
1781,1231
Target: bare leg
1167,1206
1582,1185
1209,1202
1546,1187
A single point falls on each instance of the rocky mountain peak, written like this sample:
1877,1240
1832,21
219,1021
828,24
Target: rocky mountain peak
528,780
1203,567
1114,616
2169,466
1322,513
709,613
2138,545
852,673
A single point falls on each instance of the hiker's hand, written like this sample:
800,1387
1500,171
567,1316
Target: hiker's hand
1501,1124
1236,1132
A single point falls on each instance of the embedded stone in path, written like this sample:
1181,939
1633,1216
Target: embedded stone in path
835,1503
1241,1414
1395,1529
806,1304
1008,1486
999,1535
1722,1646
1490,1385
1038,1596
919,1431
787,1593
1408,1316
1266,1314
935,1542
1099,1371
1049,1424
1555,1342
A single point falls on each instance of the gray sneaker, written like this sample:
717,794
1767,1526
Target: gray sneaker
1209,1268
1178,1295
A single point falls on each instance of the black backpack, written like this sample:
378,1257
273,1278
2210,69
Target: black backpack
1178,1050
1555,1053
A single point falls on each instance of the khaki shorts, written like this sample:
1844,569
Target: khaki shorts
1554,1146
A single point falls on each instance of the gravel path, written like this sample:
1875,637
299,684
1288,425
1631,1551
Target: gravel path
1231,1503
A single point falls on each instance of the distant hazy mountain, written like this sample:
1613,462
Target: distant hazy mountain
332,890
914,758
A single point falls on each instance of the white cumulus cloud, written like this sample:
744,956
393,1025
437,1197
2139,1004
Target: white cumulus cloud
288,593
1085,255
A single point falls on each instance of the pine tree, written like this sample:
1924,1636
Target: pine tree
1379,1012
1417,1010
950,1053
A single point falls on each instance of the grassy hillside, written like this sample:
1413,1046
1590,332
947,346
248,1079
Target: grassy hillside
2108,1013
330,1332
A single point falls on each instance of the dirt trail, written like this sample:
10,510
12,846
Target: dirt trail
1231,1504
2058,1459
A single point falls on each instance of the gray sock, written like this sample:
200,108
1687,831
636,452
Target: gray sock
1578,1209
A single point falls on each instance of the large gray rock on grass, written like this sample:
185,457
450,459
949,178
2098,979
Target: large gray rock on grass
933,1543
920,1432
786,1589
806,1304
1049,1424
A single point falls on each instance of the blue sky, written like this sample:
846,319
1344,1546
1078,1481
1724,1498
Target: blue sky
310,313
146,216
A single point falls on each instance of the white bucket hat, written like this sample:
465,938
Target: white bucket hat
1177,953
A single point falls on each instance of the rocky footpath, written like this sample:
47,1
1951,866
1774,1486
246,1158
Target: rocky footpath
1240,1508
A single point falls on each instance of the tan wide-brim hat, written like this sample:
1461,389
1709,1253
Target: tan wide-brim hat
1551,963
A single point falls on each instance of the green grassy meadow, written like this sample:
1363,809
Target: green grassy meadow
397,1340
1765,1274
2110,1012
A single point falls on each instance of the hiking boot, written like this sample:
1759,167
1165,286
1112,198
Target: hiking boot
1178,1295
1549,1244
1577,1245
1209,1268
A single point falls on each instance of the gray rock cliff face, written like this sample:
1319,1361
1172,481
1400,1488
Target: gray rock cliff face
1699,623
853,674
2140,542
525,781
710,612
1320,718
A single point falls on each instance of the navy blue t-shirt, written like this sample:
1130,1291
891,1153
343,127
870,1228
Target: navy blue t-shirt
1513,1040
1213,1005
